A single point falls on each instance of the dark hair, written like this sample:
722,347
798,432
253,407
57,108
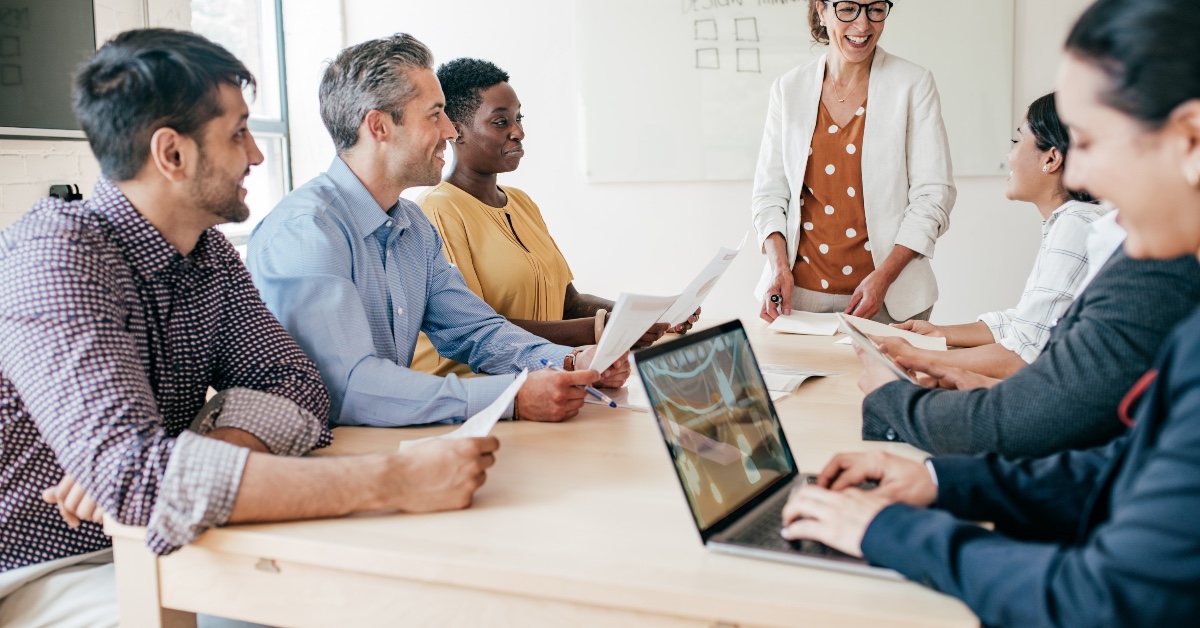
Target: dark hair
371,76
820,34
462,80
144,80
1049,132
1144,48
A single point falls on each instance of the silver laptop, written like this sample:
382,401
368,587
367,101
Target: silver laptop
728,447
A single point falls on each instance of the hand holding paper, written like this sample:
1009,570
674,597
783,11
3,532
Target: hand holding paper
871,328
693,296
481,424
631,317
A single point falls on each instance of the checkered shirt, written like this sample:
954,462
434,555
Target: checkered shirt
109,341
1058,276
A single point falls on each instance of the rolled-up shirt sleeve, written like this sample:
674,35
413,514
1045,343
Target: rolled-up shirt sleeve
1058,272
931,191
283,426
274,390
197,491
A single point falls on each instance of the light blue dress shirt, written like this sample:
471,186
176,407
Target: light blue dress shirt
354,285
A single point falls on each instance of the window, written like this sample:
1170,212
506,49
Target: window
253,31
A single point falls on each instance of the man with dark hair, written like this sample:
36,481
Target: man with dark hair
355,273
118,313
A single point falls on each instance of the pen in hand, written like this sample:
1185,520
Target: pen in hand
591,391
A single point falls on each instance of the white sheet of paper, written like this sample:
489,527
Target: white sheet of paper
482,422
787,379
806,323
871,328
632,396
693,295
631,317
846,340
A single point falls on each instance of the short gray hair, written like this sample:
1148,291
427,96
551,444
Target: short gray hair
373,75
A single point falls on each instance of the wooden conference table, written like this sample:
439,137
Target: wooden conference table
581,524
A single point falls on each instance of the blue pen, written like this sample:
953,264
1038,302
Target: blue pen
591,391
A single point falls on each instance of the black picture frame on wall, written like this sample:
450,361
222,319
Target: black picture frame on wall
42,44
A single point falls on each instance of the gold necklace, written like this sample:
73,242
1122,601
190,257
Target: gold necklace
851,91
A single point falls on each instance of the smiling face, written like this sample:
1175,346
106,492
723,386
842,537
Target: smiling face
1026,179
491,142
1118,159
419,141
855,41
226,152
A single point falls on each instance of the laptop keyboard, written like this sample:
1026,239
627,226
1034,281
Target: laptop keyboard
763,532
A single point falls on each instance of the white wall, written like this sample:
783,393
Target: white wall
653,237
29,167
312,35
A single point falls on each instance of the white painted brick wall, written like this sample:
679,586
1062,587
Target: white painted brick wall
29,167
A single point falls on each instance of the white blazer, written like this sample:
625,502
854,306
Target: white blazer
908,187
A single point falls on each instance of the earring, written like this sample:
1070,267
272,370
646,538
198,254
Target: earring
1045,168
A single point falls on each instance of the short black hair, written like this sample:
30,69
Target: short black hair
144,80
462,80
1142,45
1049,132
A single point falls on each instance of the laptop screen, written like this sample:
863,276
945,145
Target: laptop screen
717,418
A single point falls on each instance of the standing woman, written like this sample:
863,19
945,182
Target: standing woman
853,186
1100,537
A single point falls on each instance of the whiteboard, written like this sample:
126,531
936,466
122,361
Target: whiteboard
676,90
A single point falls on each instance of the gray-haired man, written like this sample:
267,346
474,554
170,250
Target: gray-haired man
355,273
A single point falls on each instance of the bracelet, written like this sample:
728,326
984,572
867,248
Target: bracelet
571,356
601,318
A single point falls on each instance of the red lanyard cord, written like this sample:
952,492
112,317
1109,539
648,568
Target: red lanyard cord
1135,393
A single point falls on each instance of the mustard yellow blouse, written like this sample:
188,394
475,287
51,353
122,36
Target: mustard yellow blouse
505,254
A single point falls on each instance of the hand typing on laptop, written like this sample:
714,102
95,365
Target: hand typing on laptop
837,513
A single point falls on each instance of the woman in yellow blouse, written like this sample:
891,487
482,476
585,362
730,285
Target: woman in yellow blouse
495,234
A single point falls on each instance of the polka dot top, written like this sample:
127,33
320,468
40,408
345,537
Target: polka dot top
834,254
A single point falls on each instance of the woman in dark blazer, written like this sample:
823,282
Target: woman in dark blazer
1102,537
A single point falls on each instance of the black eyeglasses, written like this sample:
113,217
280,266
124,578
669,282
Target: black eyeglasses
847,11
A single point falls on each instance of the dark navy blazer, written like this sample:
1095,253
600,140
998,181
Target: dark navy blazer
1065,399
1101,537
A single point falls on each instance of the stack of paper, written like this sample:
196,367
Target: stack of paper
806,323
871,328
787,379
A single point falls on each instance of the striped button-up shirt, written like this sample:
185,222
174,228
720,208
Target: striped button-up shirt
1058,276
355,284
109,341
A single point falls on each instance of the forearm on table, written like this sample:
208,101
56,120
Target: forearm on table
968,334
572,333
991,360
275,488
